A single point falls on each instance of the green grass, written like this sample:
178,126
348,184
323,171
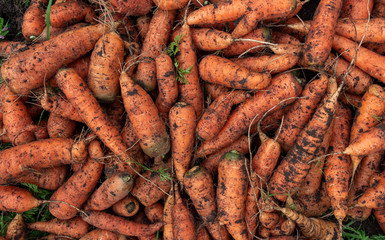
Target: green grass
350,233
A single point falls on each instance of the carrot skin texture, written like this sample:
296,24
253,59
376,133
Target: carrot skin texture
182,133
373,197
101,234
28,70
156,38
191,92
208,39
272,64
74,227
355,30
379,213
16,229
78,187
222,71
356,9
182,222
285,179
14,161
8,48
59,105
232,194
127,207
167,216
33,20
103,73
15,199
170,4
60,127
79,95
283,86
144,116
64,14
132,7
366,60
319,40
299,114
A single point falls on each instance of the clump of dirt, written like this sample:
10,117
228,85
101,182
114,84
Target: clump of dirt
12,11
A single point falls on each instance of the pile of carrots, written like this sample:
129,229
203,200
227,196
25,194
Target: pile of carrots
176,119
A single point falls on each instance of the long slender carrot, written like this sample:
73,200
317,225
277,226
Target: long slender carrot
74,227
167,216
268,63
182,222
357,30
283,86
318,42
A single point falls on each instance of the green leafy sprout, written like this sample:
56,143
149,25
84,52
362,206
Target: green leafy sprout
172,50
34,215
163,172
3,28
350,233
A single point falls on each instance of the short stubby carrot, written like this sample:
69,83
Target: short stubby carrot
222,71
17,228
16,199
208,39
145,119
283,87
29,69
33,20
127,207
318,43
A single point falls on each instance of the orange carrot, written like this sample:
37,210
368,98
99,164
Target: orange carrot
170,4
154,212
74,227
79,186
357,30
356,9
182,132
106,60
281,37
215,116
285,181
127,207
373,195
213,91
208,39
58,104
67,13
283,86
152,186
222,71
232,193
319,40
101,234
132,7
200,187
301,111
349,99
167,216
182,222
143,114
268,63
156,37
60,127
33,20
110,192
40,154
17,229
379,213
15,199
143,24
8,48
29,69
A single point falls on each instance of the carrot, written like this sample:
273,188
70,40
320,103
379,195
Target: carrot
74,227
127,207
373,195
131,139
170,4
182,132
156,38
222,71
269,220
115,111
364,58
152,186
285,181
372,106
101,234
143,24
29,69
190,90
356,80
224,11
281,37
337,167
182,222
375,47
200,187
301,111
349,99
208,39
250,43
296,28
202,233
268,63
106,60
17,229
213,91
60,127
357,30
368,166
67,13
110,192
378,9
48,178
16,119
232,194
79,186
79,95
15,199
40,154
154,212
33,20
58,104
313,228
167,84
8,48
132,7
318,43
356,9
167,216
143,114
292,49
379,214
215,116
283,86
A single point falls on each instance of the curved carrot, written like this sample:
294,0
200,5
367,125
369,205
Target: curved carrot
74,227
